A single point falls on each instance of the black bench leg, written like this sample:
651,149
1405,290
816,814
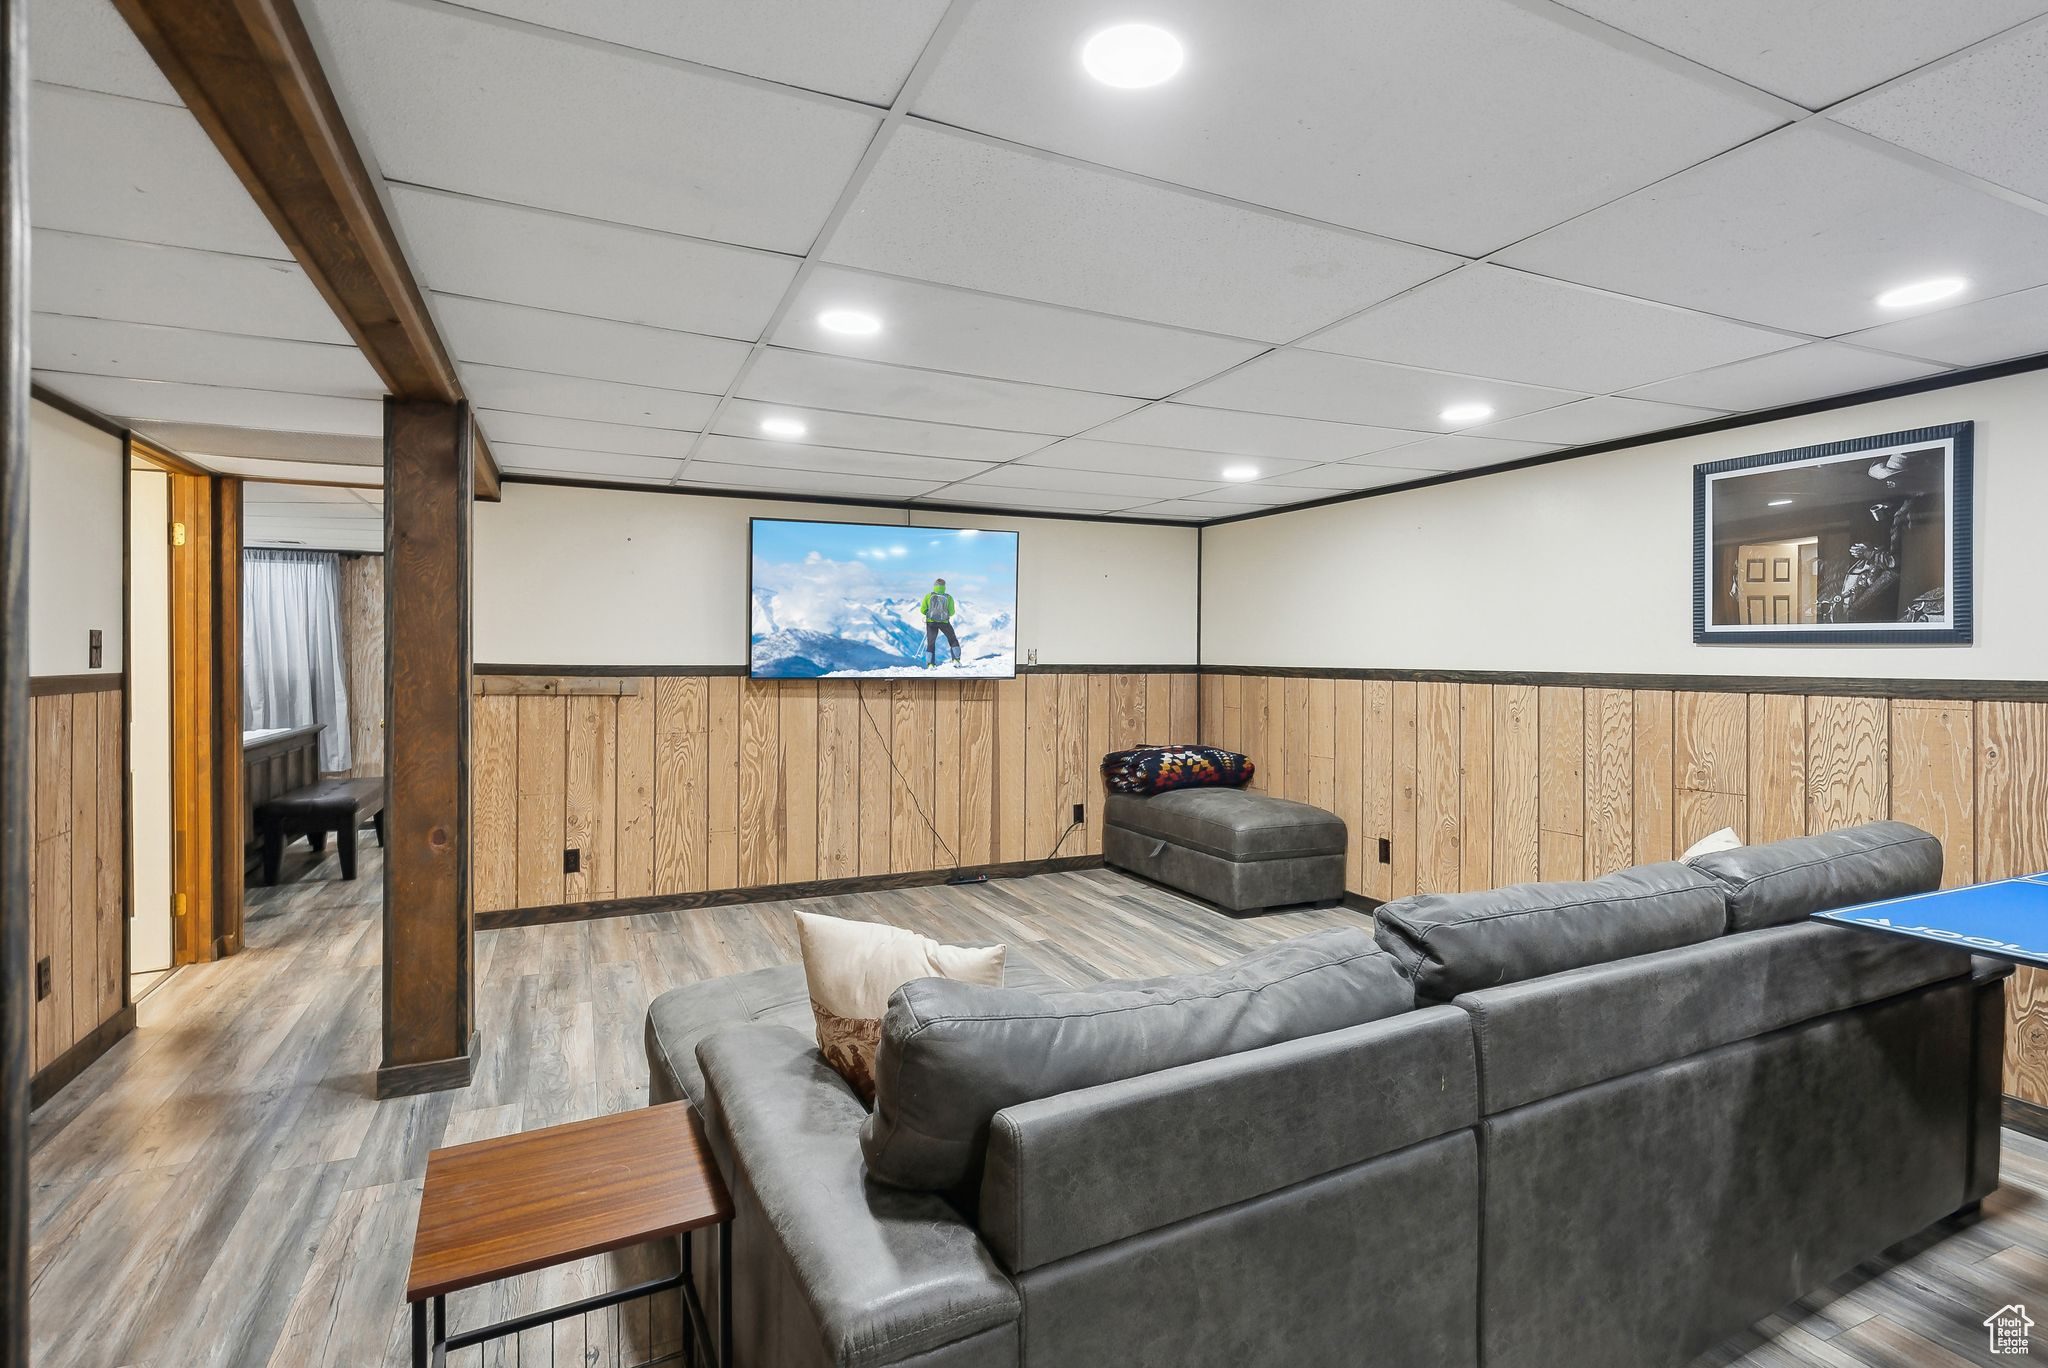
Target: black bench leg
378,822
273,851
345,842
318,840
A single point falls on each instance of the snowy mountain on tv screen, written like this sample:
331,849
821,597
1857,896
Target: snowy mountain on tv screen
857,614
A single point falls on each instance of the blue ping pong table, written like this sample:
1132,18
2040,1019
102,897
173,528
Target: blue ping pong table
2005,920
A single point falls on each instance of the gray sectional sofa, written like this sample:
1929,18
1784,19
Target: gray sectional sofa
1602,1125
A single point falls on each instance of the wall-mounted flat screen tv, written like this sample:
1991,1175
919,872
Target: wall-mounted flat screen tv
881,601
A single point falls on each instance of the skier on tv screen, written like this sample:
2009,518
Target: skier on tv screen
938,608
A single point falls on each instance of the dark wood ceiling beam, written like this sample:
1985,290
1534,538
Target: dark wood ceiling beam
248,72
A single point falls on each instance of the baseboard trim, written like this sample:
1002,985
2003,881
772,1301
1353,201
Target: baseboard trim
80,1056
505,918
2028,1118
431,1075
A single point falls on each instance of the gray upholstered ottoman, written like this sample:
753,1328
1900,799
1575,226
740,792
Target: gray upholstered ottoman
1243,851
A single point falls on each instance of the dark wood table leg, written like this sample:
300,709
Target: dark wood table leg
317,838
378,821
273,851
419,1334
725,1294
345,841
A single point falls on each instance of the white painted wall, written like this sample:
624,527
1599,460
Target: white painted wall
1586,564
619,577
76,474
149,735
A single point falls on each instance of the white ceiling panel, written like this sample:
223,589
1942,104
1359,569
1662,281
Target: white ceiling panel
450,98
264,492
330,534
93,346
1969,334
1262,493
1600,419
1350,475
942,328
941,205
141,401
1814,52
1084,453
813,380
843,460
1194,428
1510,325
1982,112
1800,230
515,457
505,252
206,442
823,427
1461,451
96,277
801,481
1810,372
598,401
1038,500
1187,510
1104,482
87,44
576,434
1463,124
491,334
1345,389
137,170
259,468
861,49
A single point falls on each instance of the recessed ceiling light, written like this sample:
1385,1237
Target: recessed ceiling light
851,322
783,427
1132,56
1241,472
1466,413
1922,292
1777,503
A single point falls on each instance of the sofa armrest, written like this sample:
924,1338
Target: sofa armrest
883,1274
1078,1171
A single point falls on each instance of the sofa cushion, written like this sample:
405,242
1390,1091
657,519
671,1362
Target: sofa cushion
1230,823
1452,943
953,1054
1786,881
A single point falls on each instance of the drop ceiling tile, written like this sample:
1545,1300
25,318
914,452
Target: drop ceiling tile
204,443
1037,500
1461,124
1188,510
87,44
140,351
941,328
592,348
801,481
1344,389
598,401
1351,475
1982,113
143,401
1206,467
553,261
1817,51
1816,371
861,49
941,205
140,171
813,380
1130,487
652,481
837,460
1194,428
823,427
1510,325
96,277
1801,230
1463,451
1601,419
576,434
1969,334
1263,493
451,98
515,458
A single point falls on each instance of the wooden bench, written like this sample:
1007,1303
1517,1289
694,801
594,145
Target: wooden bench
337,805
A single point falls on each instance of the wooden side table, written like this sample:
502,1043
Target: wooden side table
530,1201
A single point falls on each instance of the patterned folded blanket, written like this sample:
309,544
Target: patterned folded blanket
1147,770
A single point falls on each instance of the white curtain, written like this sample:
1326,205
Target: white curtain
294,671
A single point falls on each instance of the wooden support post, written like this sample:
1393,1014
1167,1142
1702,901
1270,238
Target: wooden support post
429,1020
16,978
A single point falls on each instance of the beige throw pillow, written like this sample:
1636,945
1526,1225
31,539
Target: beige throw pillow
852,967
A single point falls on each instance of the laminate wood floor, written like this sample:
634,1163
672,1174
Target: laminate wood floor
223,1188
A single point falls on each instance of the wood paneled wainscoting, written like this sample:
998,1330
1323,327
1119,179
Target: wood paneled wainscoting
78,892
680,784
1475,785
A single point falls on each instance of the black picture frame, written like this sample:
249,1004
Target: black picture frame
1957,625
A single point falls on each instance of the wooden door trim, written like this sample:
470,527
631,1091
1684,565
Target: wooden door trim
206,718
